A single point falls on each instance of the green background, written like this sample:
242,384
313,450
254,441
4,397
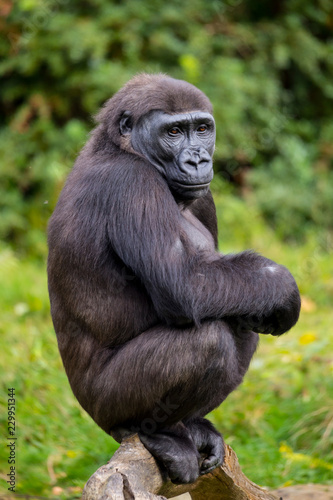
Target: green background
268,69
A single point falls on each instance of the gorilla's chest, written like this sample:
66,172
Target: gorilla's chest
196,232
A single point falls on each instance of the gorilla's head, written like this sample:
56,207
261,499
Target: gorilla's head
169,122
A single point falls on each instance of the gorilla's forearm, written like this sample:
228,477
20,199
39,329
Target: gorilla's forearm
262,294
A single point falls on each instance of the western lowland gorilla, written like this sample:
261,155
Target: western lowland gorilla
154,326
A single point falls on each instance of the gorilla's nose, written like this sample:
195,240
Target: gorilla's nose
194,158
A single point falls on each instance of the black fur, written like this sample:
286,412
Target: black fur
155,328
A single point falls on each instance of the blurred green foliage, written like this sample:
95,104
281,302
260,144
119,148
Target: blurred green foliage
267,67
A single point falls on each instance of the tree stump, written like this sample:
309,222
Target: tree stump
133,474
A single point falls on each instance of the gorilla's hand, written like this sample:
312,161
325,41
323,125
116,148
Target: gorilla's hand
276,323
283,312
277,301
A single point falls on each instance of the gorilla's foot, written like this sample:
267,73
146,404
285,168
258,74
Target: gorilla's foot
209,443
174,448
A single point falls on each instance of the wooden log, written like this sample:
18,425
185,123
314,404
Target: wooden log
133,474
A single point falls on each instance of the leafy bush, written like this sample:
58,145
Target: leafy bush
266,67
293,191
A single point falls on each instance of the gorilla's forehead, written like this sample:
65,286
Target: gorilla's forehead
195,116
191,116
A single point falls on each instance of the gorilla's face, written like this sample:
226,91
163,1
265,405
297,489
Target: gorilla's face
180,146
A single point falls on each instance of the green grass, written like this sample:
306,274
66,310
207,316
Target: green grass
280,421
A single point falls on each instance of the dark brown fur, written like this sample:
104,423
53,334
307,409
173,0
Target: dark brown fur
127,264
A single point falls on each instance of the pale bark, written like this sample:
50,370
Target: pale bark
133,474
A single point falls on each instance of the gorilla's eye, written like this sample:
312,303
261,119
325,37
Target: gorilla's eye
174,131
202,128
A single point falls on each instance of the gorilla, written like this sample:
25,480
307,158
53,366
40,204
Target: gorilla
154,326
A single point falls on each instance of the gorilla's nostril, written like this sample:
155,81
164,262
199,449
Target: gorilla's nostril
203,161
192,163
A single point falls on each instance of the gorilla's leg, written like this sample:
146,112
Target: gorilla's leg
156,380
207,439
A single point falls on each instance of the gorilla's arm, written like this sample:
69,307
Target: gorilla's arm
148,235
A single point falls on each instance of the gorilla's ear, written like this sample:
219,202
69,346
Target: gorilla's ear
125,124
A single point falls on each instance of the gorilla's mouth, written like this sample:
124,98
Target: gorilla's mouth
189,191
191,187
